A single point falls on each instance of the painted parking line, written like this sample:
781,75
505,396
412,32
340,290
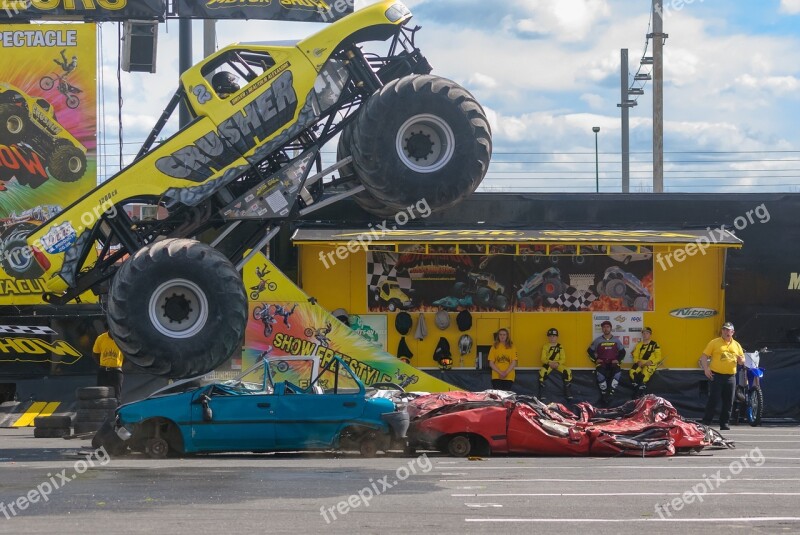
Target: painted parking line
591,494
724,520
641,480
617,467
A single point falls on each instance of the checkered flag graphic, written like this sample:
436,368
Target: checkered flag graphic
26,329
381,267
573,299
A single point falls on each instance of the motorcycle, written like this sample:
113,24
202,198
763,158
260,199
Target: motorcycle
65,88
749,402
262,313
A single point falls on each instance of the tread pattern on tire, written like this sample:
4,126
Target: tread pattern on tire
52,422
101,403
443,188
156,353
95,392
94,415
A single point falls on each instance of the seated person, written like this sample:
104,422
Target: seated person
607,352
225,84
553,357
646,359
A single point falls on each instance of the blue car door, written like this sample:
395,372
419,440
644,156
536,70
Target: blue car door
238,423
313,417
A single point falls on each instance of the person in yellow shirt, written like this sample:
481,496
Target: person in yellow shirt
503,361
553,357
646,359
719,360
110,358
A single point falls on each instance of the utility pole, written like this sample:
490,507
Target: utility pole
658,37
596,129
624,109
209,37
184,60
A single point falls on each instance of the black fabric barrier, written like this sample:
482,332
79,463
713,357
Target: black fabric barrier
687,390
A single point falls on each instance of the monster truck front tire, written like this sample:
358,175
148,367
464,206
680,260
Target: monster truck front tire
67,163
13,124
421,137
177,308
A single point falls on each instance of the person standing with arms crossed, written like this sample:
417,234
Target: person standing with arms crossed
719,360
503,361
109,357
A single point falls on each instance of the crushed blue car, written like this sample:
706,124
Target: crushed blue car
279,404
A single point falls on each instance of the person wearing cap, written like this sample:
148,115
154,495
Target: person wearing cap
553,357
719,360
607,352
646,359
503,361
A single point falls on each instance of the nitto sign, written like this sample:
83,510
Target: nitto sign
693,313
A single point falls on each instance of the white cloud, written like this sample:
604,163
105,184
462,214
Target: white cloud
482,81
594,101
565,20
792,7
779,85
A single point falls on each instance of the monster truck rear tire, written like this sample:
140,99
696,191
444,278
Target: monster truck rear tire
364,199
67,163
421,137
177,308
13,124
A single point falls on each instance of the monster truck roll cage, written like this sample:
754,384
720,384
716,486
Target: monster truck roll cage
234,234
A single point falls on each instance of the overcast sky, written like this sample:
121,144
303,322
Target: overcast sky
547,71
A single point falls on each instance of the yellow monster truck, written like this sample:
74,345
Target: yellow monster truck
32,121
250,160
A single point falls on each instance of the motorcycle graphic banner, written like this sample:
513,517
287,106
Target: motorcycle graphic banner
48,156
284,321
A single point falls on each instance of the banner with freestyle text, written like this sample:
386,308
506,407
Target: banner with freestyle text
284,321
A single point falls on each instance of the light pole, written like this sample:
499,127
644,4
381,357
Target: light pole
596,129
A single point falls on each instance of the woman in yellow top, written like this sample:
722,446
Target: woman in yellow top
553,357
503,361
646,359
724,353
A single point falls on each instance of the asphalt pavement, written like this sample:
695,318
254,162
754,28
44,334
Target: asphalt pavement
63,486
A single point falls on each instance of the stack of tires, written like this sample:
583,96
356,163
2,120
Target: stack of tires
52,426
95,405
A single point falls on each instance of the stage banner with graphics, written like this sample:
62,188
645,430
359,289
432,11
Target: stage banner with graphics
532,282
48,156
284,321
297,10
82,9
627,326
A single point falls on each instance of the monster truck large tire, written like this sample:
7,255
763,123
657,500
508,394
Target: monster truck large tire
421,137
67,163
16,257
177,308
13,124
363,199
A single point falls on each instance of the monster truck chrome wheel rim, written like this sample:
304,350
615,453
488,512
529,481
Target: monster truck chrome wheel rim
14,124
74,164
178,308
425,143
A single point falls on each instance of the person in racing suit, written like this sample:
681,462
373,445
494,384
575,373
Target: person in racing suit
646,359
607,352
553,357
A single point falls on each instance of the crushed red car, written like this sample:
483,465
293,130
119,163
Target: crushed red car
493,422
